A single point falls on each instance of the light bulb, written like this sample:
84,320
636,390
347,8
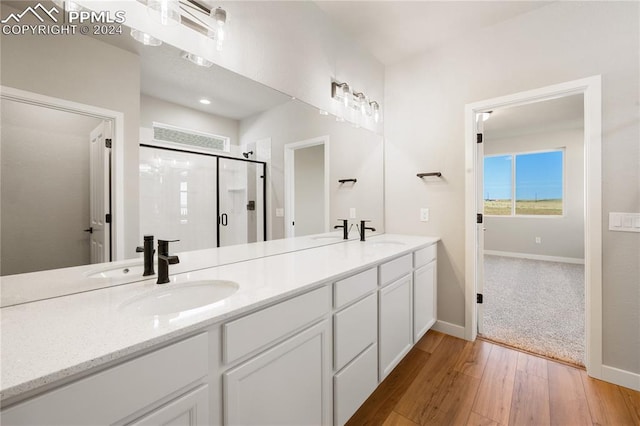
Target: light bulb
375,110
167,12
198,60
219,30
144,38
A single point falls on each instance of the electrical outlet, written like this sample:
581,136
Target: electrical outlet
279,212
424,215
538,240
352,213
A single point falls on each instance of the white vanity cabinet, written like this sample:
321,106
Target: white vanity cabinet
355,331
282,364
167,386
396,323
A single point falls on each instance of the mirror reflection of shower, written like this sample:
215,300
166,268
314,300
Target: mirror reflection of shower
247,154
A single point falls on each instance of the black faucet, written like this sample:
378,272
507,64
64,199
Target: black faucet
363,228
345,228
164,260
148,251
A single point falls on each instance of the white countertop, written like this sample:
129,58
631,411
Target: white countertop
49,340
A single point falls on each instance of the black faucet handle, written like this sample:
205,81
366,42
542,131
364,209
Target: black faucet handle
139,249
163,246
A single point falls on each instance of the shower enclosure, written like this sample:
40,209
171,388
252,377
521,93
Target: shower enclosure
204,200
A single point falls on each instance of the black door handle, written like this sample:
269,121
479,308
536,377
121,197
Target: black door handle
89,230
224,219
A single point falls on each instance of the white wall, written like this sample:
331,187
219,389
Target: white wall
354,153
45,188
560,236
424,131
82,69
154,109
309,190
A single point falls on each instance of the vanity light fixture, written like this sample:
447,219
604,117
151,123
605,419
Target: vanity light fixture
144,38
218,31
358,107
204,101
323,112
342,93
198,60
67,5
375,111
167,12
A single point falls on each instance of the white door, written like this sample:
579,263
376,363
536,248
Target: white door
396,324
99,190
191,409
289,384
480,227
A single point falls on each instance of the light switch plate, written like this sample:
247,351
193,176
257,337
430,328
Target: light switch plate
279,212
624,222
352,213
424,215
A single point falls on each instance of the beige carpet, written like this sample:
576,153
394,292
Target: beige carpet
535,305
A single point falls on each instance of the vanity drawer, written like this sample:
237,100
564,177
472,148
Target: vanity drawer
425,255
395,269
353,385
257,330
355,328
350,289
118,392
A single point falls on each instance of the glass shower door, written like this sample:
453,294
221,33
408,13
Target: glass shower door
241,186
178,198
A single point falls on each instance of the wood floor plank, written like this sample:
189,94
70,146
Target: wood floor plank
632,398
474,358
530,401
377,408
531,364
476,419
567,400
429,341
607,404
496,387
440,395
396,419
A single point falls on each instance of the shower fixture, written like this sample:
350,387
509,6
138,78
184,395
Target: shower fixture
247,154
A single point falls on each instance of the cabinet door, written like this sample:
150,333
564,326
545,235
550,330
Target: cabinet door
191,409
396,331
424,299
289,384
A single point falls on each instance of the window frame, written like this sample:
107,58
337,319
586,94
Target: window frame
513,156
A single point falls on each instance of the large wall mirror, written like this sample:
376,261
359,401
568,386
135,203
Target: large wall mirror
271,164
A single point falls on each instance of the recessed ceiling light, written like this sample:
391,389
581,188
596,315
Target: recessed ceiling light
205,101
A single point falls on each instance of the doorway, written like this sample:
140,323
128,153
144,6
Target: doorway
306,186
56,186
590,88
532,199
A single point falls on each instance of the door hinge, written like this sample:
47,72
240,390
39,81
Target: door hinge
479,218
479,137
107,218
107,143
478,297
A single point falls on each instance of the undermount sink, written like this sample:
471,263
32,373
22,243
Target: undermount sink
181,297
119,272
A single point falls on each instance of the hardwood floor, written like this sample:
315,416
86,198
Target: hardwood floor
449,381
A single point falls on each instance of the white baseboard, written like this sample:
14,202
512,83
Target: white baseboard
535,256
448,328
621,377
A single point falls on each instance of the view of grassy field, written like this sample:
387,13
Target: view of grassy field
523,207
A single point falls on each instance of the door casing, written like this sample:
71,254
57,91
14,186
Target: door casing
591,88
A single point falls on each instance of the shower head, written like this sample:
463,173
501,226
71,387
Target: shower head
247,154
